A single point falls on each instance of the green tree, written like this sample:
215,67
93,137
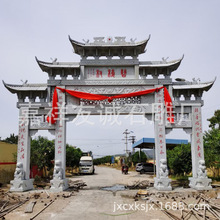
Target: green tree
136,158
215,120
13,139
179,159
212,144
42,153
72,156
102,160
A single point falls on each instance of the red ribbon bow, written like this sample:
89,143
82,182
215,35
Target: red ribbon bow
90,96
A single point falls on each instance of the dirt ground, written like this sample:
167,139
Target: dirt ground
124,201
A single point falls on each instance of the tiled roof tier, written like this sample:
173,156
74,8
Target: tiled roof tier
13,88
119,47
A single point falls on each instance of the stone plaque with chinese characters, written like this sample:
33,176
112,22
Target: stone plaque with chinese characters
197,138
109,73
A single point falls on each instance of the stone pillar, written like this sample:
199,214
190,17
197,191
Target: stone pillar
199,180
59,181
136,71
82,72
22,181
161,182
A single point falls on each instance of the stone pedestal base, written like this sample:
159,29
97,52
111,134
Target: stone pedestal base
162,184
200,183
59,185
21,185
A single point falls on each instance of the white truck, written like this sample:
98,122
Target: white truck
86,165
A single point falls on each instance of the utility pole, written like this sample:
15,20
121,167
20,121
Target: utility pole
131,138
126,141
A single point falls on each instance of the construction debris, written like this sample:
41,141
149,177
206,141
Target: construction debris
202,208
167,213
9,208
38,200
142,192
42,210
67,195
76,185
140,185
29,208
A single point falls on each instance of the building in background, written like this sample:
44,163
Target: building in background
147,145
8,154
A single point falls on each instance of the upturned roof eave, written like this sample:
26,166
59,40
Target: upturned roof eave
78,45
8,87
46,66
14,88
40,65
174,64
204,86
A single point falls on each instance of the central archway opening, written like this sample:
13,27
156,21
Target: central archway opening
103,134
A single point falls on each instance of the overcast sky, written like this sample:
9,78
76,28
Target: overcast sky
41,28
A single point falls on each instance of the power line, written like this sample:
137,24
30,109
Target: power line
126,132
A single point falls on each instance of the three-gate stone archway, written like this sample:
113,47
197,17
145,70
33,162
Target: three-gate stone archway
123,85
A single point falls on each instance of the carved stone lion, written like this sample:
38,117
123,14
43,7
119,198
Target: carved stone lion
58,170
19,172
202,173
163,168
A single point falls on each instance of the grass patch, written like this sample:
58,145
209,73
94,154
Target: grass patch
177,177
216,179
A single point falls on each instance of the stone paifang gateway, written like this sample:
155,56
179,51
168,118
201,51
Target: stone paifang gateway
119,72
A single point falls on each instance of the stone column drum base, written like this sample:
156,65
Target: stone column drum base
162,184
59,185
200,183
21,185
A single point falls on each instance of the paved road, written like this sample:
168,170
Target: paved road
105,176
94,203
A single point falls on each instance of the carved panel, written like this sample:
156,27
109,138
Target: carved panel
109,90
118,82
110,73
109,62
181,121
116,102
42,126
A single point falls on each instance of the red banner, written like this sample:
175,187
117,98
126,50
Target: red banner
90,96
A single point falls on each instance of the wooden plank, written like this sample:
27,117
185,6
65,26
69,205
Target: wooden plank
41,210
30,206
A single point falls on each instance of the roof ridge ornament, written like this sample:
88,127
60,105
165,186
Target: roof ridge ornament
24,82
109,40
133,40
86,41
99,40
117,40
120,39
165,59
196,81
54,60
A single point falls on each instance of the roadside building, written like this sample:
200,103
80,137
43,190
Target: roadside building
8,154
120,159
147,145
